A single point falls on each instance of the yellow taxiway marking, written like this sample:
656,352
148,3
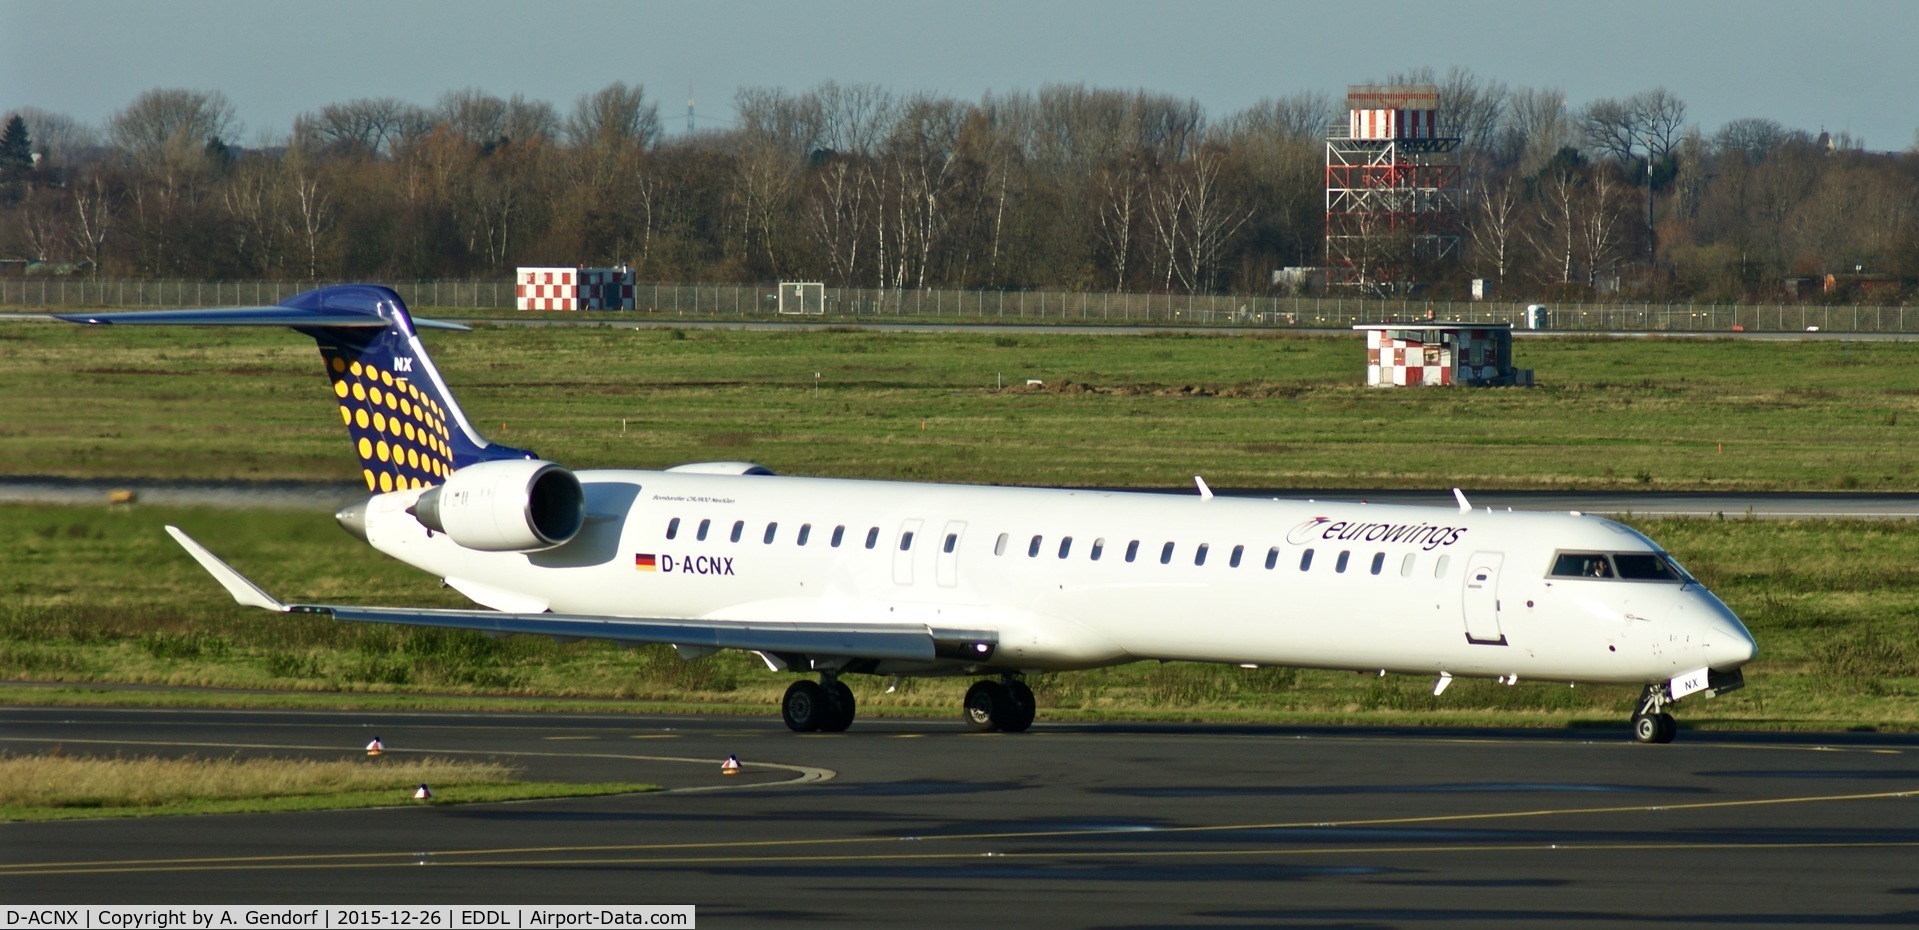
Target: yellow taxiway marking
654,736
687,853
557,739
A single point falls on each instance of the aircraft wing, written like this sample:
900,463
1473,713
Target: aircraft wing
912,642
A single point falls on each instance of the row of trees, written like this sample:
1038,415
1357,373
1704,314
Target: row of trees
1066,187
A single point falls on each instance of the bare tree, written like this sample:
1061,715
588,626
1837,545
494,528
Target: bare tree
614,118
1753,139
170,122
1537,127
93,208
1494,224
1651,121
368,125
58,139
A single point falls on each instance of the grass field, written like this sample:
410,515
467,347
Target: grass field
1116,410
58,786
92,595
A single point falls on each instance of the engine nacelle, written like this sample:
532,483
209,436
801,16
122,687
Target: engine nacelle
518,505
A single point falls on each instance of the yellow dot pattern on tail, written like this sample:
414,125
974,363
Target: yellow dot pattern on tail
399,431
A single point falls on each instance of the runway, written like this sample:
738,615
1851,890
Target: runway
1109,825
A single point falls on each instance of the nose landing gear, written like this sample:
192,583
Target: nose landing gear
1651,724
1005,705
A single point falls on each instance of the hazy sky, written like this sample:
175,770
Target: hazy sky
1839,65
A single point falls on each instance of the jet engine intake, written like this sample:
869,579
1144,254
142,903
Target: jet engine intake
518,505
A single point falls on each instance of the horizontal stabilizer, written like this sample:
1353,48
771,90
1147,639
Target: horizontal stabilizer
243,590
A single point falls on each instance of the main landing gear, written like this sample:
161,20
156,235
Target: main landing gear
1005,705
1651,724
827,706
824,707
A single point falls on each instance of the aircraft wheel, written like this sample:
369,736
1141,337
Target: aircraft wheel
841,707
985,705
1653,728
1668,728
806,707
1021,709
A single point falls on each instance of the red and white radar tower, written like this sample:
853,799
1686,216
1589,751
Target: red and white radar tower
1392,189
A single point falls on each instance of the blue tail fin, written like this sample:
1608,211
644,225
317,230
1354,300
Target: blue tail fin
406,427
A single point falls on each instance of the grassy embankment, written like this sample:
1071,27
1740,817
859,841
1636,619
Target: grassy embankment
93,595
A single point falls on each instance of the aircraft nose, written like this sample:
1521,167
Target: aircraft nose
352,518
1733,645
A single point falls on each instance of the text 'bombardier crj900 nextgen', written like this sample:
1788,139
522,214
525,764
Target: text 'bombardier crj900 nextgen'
836,577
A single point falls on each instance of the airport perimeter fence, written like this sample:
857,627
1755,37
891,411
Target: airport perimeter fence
495,298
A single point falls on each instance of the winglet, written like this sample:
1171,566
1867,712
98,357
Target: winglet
1460,496
1205,493
244,591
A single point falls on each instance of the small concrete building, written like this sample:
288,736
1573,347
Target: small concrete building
1402,354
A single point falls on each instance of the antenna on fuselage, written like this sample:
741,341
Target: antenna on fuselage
1460,496
1205,493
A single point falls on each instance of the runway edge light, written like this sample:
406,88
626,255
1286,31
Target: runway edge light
423,793
376,747
731,766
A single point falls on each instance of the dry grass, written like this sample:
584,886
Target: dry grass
56,780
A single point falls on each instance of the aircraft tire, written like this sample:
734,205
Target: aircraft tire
985,705
1653,728
841,706
1021,710
806,707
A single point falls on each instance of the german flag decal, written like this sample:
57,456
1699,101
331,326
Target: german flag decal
645,562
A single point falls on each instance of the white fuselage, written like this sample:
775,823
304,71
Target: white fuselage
1393,588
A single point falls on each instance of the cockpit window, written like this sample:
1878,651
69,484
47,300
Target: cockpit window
1645,566
1628,566
1581,565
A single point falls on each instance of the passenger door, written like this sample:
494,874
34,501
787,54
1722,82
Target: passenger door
1480,599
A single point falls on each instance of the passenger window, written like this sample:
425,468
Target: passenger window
906,540
1406,565
1166,554
739,527
1065,546
999,545
1439,567
872,537
1032,548
1132,550
704,526
1344,556
1379,562
771,528
1581,565
672,527
1238,552
1306,560
952,539
1099,546
839,533
1199,555
806,530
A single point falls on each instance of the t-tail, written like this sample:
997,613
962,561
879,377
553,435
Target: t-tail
406,428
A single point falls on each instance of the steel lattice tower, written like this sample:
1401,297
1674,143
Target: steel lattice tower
1392,189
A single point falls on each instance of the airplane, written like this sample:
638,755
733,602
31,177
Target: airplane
835,577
